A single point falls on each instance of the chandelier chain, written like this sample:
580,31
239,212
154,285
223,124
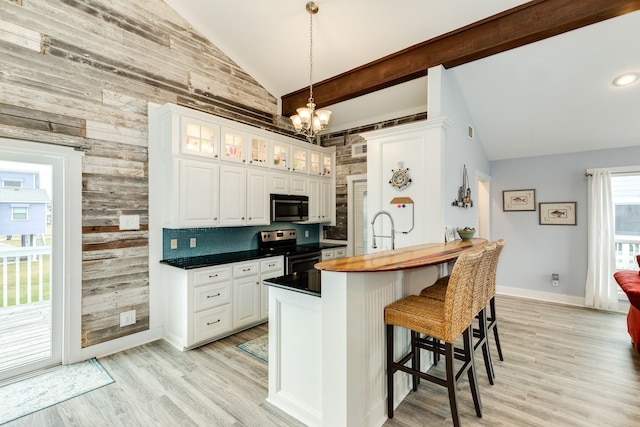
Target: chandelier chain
310,57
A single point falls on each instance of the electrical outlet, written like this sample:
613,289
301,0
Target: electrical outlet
127,318
555,279
306,233
174,243
192,242
129,222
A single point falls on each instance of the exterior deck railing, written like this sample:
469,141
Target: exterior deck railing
26,275
627,247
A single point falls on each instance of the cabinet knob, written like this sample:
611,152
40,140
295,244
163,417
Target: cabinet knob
257,283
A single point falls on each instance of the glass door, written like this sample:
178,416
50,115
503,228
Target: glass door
30,292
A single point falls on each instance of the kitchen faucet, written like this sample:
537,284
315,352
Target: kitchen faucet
393,230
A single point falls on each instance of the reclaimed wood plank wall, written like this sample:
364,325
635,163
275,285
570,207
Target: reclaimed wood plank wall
80,73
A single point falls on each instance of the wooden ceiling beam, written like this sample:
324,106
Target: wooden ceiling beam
527,23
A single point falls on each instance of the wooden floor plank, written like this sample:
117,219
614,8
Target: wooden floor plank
564,366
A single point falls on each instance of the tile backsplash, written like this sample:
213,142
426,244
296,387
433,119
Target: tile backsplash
227,239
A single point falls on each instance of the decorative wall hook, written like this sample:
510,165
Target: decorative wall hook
464,191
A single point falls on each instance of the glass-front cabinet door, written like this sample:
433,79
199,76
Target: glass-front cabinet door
233,145
327,164
300,156
280,155
315,163
258,151
198,137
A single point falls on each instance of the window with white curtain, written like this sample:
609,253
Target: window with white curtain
625,192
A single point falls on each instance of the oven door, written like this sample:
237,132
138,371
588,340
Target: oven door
299,263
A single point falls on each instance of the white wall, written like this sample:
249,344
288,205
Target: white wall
532,251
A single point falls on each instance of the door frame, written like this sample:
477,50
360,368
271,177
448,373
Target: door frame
67,220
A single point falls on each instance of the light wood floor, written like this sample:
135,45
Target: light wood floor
564,366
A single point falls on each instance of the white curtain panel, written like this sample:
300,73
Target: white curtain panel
601,289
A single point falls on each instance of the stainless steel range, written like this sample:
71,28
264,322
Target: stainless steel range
298,258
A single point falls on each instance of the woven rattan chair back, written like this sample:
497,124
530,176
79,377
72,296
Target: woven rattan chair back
491,278
458,303
483,277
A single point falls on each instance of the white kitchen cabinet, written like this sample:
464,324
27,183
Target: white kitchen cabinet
279,153
279,183
298,185
233,144
257,197
205,304
315,163
334,253
246,293
244,199
300,160
198,137
233,201
327,201
314,190
328,163
197,194
258,152
269,268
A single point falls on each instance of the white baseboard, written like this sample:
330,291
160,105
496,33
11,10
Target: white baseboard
542,296
121,344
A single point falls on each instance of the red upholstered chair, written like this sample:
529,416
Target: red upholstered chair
629,281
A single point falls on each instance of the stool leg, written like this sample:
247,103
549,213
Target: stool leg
390,371
451,382
471,372
492,306
415,360
484,339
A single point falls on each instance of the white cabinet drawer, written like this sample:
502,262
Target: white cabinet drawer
340,252
275,264
211,275
209,323
246,269
209,296
327,255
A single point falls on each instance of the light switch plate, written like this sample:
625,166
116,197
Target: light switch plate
174,243
192,242
129,222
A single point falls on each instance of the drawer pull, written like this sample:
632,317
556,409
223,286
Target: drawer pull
213,296
211,276
213,323
246,269
271,265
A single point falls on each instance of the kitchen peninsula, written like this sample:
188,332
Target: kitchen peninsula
327,349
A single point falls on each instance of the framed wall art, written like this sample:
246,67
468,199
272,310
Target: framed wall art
519,200
558,213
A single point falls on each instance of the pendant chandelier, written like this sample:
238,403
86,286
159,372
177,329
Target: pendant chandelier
309,121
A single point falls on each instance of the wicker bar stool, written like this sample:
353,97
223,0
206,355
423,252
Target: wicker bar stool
443,320
492,318
485,281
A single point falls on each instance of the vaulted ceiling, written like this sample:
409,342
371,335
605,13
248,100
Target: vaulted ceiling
546,97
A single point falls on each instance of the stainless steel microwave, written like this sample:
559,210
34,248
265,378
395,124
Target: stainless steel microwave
289,208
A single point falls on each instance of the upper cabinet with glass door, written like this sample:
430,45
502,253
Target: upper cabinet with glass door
233,145
279,155
258,151
198,138
327,164
300,158
315,163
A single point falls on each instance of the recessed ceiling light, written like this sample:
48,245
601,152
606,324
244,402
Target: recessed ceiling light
626,79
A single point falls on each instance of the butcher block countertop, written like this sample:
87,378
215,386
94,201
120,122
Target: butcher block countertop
402,259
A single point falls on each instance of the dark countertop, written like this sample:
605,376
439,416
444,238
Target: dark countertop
216,259
228,257
306,282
